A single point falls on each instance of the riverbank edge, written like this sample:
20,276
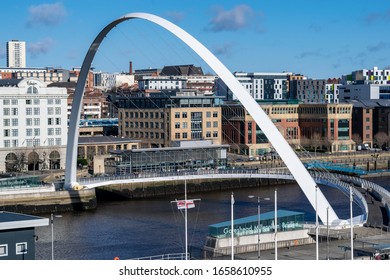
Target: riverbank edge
88,199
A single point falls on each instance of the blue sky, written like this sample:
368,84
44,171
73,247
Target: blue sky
317,38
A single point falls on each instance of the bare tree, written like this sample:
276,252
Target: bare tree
382,139
315,141
357,138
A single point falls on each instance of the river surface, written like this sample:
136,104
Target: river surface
139,228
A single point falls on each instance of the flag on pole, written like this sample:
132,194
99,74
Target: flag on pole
183,204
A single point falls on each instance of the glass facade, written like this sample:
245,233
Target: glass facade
286,221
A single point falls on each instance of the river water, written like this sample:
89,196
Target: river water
139,228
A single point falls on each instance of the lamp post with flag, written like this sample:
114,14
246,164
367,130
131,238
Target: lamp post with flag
185,205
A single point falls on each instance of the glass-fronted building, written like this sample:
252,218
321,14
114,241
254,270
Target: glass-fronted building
286,221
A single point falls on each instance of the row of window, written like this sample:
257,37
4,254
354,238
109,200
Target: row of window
31,111
144,124
32,142
31,101
142,115
184,135
31,132
145,135
21,248
184,115
31,122
194,124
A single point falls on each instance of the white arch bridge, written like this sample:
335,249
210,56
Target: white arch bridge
341,182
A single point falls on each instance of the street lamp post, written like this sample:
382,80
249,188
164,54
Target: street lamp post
52,233
258,223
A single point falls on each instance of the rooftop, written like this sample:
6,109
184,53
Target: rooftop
10,220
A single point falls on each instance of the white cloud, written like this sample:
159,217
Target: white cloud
46,14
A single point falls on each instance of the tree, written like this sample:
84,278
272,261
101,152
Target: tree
382,139
357,138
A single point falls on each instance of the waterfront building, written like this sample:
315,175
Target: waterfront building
17,235
160,119
261,86
323,126
16,54
186,155
327,127
104,81
245,137
33,126
247,232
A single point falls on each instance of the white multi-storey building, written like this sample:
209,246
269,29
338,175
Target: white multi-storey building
261,86
16,54
33,125
151,83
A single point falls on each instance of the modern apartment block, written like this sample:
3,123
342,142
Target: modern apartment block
316,91
364,76
16,54
160,119
33,126
261,86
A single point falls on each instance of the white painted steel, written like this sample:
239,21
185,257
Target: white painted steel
301,175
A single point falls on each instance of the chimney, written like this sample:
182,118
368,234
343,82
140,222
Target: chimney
131,68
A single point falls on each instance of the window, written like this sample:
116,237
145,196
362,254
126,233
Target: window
37,131
208,124
58,141
36,101
184,115
6,111
50,110
215,124
208,114
6,122
50,131
185,135
58,131
21,248
215,114
58,101
7,132
15,132
37,111
6,102
208,134
184,125
7,143
15,122
50,121
58,110
177,135
215,134
14,102
29,132
14,111
177,115
28,111
28,101
3,250
37,121
50,101
177,125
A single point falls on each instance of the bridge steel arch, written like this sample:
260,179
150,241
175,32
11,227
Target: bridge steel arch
293,163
